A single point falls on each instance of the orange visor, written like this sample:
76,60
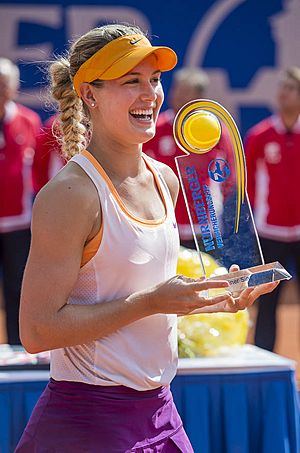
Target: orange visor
119,56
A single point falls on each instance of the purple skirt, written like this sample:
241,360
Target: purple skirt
73,417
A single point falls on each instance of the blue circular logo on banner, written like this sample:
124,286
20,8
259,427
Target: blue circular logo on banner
218,170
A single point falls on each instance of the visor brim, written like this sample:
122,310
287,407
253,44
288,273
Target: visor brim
166,59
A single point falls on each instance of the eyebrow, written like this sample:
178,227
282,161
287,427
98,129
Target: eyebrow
139,73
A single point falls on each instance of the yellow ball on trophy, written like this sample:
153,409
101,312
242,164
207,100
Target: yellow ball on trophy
201,130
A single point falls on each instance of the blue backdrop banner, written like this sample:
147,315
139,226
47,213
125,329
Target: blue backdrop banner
242,44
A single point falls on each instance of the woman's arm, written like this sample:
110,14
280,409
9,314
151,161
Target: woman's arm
64,215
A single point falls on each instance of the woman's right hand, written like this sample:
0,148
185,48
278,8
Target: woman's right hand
182,295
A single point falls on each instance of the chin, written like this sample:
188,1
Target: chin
148,137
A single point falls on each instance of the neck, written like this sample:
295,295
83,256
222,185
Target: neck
289,118
118,161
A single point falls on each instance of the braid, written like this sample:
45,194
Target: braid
72,130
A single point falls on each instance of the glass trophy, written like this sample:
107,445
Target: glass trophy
212,175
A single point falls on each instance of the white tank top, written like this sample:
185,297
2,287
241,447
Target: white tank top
133,254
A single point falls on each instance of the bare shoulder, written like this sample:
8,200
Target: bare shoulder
72,180
69,201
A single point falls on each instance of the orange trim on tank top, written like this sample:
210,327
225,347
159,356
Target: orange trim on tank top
93,245
91,248
119,200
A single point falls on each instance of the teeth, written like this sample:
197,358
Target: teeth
142,112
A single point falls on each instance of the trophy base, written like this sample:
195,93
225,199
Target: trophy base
253,276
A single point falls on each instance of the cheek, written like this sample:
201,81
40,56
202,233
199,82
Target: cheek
110,109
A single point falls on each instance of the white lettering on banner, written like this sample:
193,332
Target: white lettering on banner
12,16
81,19
263,86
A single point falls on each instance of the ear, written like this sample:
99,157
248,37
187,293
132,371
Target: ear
87,94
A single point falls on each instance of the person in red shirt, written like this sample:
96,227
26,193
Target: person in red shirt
187,84
19,128
49,156
272,150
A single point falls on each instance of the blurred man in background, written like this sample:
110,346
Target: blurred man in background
187,84
48,152
19,129
273,163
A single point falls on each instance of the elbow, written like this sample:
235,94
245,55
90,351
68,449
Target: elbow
31,341
33,333
31,349
31,346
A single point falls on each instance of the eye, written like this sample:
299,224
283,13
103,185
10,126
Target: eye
156,79
131,81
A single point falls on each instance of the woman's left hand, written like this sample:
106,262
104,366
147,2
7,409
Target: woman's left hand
247,297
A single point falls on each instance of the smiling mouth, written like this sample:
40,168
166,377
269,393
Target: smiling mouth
143,115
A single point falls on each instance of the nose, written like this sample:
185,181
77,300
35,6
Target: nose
148,92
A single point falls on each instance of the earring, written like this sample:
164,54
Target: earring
93,104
